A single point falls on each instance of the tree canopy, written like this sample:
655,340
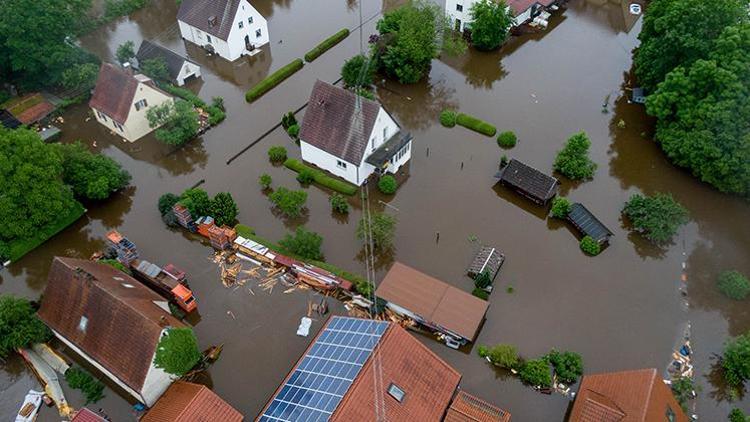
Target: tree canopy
224,209
125,51
92,176
19,325
736,360
491,21
304,243
177,351
573,160
156,69
177,123
358,71
658,217
383,229
289,202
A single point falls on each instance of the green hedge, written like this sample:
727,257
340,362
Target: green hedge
215,114
477,125
322,178
272,80
19,248
327,44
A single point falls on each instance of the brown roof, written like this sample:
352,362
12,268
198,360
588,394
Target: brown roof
433,300
533,182
467,408
427,381
198,13
123,322
332,124
36,113
520,6
114,92
627,396
188,402
86,415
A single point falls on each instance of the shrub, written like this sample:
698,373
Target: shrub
491,22
166,202
288,120
81,380
186,95
323,178
339,204
116,265
289,202
387,184
265,181
125,52
81,77
658,217
177,123
734,285
116,8
683,388
507,139
382,229
293,131
224,209
502,355
215,115
272,80
536,373
736,360
177,351
19,325
92,176
277,154
560,207
483,279
306,176
170,219
218,102
590,246
573,161
365,93
448,118
304,243
155,69
568,365
480,293
327,44
354,74
737,415
504,161
477,125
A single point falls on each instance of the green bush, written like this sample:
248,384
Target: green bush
19,247
658,217
504,161
353,70
304,243
387,184
380,230
327,44
185,94
223,209
590,246
560,207
116,8
507,139
573,160
322,178
272,80
339,204
277,154
288,201
91,176
177,351
288,120
306,176
218,102
166,202
477,125
116,265
480,293
19,325
536,372
215,115
293,131
568,365
265,181
81,380
175,123
483,279
683,388
736,360
737,415
197,201
448,118
734,285
502,355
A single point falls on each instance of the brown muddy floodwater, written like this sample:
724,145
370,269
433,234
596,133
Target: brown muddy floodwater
620,310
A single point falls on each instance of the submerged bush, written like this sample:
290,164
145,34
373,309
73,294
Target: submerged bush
507,139
265,181
590,246
483,279
502,355
81,380
339,203
327,44
293,131
277,154
734,285
736,360
475,124
573,160
657,217
536,372
480,293
560,207
568,365
448,118
306,176
272,80
387,184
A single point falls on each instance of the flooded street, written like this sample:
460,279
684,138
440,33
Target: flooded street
620,310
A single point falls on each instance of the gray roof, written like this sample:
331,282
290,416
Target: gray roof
531,181
589,225
332,123
174,61
200,14
389,149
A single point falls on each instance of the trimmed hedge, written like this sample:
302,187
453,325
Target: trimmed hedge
326,45
477,125
272,80
448,118
322,178
20,247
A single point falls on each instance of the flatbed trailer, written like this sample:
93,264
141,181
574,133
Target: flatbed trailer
169,282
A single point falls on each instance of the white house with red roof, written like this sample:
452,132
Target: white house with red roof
121,100
459,11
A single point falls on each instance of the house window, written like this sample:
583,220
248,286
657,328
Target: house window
340,164
385,133
396,392
670,414
250,20
240,24
208,38
257,33
117,125
101,115
141,104
82,324
459,8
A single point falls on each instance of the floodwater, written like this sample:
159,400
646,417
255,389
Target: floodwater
620,310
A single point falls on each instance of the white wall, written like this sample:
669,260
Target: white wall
156,383
465,14
328,162
188,69
196,36
136,126
397,162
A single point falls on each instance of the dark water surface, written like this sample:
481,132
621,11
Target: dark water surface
620,310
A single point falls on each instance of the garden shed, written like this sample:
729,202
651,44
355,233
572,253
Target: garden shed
488,259
528,181
588,224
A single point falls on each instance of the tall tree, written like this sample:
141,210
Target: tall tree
491,21
92,176
19,325
125,51
177,123
177,351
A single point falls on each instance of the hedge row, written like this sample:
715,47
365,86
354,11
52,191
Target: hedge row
272,80
326,45
322,178
477,125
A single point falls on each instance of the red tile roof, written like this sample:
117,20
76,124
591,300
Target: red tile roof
36,113
467,408
123,324
520,6
188,402
427,381
114,92
627,396
86,415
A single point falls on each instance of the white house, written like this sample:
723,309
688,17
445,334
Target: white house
459,11
112,321
122,99
180,69
229,28
350,136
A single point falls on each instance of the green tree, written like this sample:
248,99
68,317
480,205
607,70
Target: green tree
387,184
19,325
536,373
197,202
491,21
657,217
177,351
277,154
289,202
568,365
382,230
502,355
560,207
304,243
679,32
265,181
703,113
737,415
590,246
177,123
92,176
156,69
224,209
166,202
339,203
573,160
125,52
80,77
683,389
736,360
358,71
81,380
734,285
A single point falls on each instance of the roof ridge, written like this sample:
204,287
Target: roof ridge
201,387
652,379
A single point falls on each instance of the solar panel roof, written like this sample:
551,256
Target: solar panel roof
325,373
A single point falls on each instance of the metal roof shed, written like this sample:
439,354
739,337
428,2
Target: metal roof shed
587,224
528,181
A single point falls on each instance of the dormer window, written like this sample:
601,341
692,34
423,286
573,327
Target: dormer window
82,324
396,392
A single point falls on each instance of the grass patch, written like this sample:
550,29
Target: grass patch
326,45
91,388
272,80
20,247
321,177
477,125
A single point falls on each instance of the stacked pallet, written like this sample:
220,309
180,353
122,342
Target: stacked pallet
221,237
125,249
184,217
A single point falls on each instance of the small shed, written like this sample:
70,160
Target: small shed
588,224
528,181
180,69
487,259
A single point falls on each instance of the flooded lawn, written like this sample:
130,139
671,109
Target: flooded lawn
620,310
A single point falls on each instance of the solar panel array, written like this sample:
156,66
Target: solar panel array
326,372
